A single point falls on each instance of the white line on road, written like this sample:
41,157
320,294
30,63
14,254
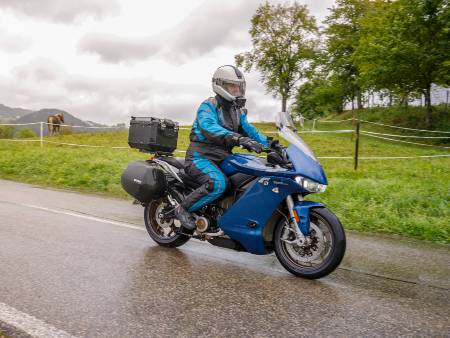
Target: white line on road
29,324
91,218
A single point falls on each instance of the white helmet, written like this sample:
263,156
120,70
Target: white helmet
228,75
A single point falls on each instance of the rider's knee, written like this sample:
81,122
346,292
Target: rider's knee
227,184
217,186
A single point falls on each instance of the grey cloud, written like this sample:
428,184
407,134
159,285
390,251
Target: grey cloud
114,49
61,11
180,111
261,109
319,8
213,25
138,88
210,26
44,83
39,70
118,99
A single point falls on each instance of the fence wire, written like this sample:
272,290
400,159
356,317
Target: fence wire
382,136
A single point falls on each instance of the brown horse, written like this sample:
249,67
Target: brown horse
54,122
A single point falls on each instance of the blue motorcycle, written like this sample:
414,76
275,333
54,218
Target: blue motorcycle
264,211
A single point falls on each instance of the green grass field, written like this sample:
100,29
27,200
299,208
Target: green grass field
406,196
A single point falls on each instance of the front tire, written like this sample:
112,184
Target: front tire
322,256
163,231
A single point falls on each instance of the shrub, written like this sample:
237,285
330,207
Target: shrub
6,131
26,133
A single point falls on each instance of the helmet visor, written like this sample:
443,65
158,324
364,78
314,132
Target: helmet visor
234,88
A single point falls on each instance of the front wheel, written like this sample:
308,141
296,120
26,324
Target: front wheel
322,253
162,229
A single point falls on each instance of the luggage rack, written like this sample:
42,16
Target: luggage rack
157,153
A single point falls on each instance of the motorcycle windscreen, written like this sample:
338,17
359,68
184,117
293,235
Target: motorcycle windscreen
305,165
293,138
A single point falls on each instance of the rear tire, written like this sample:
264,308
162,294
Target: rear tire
326,254
162,231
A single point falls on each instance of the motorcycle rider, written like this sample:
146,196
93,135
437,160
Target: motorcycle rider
221,124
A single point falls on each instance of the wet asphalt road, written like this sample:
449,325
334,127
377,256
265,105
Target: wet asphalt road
84,265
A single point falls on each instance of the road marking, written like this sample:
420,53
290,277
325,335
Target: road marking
29,324
91,218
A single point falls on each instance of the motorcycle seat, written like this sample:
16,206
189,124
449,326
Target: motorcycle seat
177,162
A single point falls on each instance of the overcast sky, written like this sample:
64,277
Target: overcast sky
104,60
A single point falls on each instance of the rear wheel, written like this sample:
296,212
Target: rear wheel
162,229
322,253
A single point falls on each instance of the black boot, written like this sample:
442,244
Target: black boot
186,219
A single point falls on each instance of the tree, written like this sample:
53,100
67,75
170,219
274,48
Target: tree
374,74
405,47
342,33
320,96
284,43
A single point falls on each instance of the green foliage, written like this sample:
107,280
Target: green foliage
405,46
6,132
319,97
26,133
398,48
284,44
342,32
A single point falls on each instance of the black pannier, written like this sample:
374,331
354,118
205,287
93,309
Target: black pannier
144,181
153,135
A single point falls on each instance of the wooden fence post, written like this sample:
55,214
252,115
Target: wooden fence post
42,134
357,143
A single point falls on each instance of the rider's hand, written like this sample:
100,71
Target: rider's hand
275,145
249,144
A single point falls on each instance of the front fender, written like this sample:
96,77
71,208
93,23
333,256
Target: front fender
302,209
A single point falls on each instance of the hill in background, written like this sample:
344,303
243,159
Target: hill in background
9,114
19,115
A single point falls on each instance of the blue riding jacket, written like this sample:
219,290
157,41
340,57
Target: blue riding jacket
215,131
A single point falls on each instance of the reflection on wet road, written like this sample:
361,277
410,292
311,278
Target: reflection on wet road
99,279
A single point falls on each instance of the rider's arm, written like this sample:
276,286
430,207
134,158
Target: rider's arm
208,123
252,132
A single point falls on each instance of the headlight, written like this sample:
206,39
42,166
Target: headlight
310,185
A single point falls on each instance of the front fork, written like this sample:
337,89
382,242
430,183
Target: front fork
299,216
294,218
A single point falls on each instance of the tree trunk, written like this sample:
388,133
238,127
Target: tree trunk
359,100
428,119
404,101
390,100
283,103
341,107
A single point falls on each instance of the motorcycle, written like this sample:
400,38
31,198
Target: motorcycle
264,210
